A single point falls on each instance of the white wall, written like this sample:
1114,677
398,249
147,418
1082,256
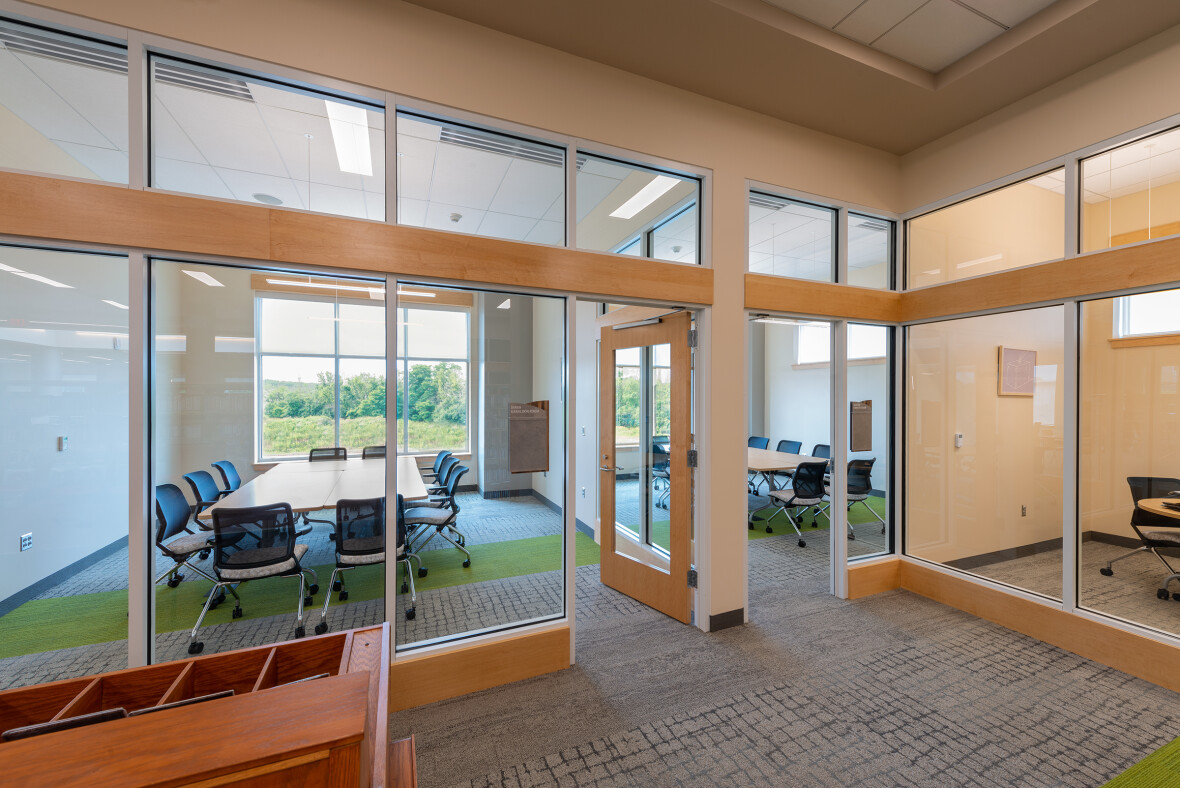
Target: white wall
548,384
586,416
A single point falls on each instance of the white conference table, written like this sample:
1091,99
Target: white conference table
312,486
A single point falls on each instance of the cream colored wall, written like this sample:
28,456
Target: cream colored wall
1020,225
966,501
1129,215
548,379
1127,420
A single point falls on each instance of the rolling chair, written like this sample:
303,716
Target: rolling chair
229,476
821,451
439,515
860,474
444,473
661,474
372,452
438,461
807,492
251,544
755,442
207,493
786,447
328,453
1153,540
173,537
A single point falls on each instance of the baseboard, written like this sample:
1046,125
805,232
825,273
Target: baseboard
866,578
418,680
731,618
550,504
1021,551
1114,539
46,583
491,494
586,529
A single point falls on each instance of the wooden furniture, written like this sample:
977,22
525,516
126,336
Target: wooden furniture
329,731
767,461
1156,506
403,764
312,486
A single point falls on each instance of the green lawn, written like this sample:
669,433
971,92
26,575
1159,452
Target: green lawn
299,435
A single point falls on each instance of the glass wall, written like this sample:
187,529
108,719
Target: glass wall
1016,225
492,557
870,251
64,468
219,133
63,104
1131,193
249,365
1129,440
792,238
983,446
870,416
635,210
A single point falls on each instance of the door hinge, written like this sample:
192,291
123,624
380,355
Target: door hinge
692,458
692,578
692,337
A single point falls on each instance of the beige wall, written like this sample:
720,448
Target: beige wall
1125,219
966,501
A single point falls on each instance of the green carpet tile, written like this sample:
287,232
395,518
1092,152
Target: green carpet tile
64,622
1161,769
779,525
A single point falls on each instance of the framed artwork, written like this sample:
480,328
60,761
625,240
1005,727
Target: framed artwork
1017,372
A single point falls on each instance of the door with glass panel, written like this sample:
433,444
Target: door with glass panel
644,475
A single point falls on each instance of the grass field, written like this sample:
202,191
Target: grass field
299,435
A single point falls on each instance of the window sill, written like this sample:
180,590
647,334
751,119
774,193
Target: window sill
854,362
1145,340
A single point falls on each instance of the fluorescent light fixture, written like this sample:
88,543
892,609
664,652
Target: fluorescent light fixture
657,188
99,334
981,261
177,343
323,286
786,321
42,279
233,344
73,361
505,304
99,358
115,304
203,278
350,135
932,272
9,269
60,323
417,293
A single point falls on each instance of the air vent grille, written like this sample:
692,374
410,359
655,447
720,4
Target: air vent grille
217,84
766,202
873,224
504,146
18,39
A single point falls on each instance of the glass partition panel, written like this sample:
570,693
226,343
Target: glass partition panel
219,133
1132,193
1012,226
869,414
984,441
870,251
251,371
792,238
643,411
639,211
466,179
1129,453
63,104
484,377
63,472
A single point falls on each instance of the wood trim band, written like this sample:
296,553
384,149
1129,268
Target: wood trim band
798,296
873,577
1154,340
56,210
418,680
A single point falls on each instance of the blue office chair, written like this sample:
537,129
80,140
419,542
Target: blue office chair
438,461
440,515
229,476
207,493
756,442
173,537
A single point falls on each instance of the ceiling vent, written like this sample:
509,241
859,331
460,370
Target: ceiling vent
503,146
18,39
873,224
759,201
217,84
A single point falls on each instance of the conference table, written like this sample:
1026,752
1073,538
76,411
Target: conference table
766,462
1157,506
312,486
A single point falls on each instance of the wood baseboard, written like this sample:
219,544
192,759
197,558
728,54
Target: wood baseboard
873,577
418,680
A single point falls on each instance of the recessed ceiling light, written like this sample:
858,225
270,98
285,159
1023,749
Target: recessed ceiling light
350,134
203,278
505,304
654,190
325,286
114,303
34,277
267,199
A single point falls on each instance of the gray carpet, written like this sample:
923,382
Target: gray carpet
889,690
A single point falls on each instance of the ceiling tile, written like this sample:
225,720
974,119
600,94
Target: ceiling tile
1009,12
822,12
245,185
547,232
503,225
26,95
110,165
169,141
528,189
228,132
438,217
96,94
411,212
937,34
415,159
874,18
467,177
183,176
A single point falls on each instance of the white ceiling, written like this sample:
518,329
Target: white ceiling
795,239
930,34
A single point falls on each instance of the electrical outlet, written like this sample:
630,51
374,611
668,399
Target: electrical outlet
1023,510
583,492
583,432
26,542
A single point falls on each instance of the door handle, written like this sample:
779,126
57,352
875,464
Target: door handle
609,468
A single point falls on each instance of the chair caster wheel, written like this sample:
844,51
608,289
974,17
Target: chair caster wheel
203,554
237,612
467,563
342,596
314,589
422,571
750,526
814,524
1176,597
308,601
336,586
405,587
321,628
769,530
196,648
299,632
410,613
1106,571
174,582
802,543
882,530
852,537
1162,593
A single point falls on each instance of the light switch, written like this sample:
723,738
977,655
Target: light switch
63,443
958,440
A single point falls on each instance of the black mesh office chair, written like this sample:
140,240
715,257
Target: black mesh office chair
661,474
1155,530
229,476
207,493
438,461
372,452
448,466
753,480
327,453
251,544
439,516
860,474
822,451
173,537
807,492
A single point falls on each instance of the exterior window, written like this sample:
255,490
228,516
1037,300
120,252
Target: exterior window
864,342
222,134
1147,313
433,380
